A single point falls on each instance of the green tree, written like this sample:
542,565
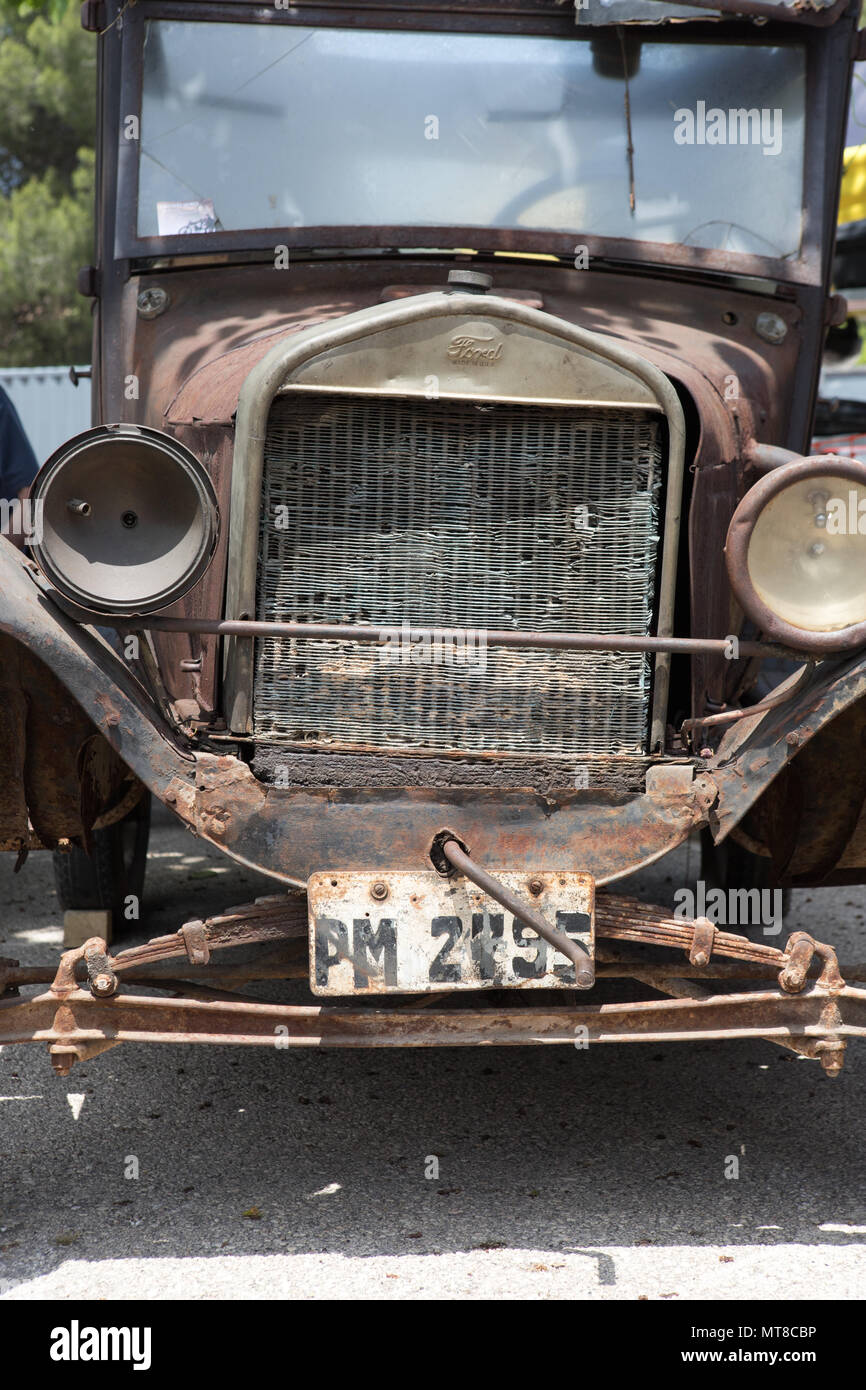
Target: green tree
47,120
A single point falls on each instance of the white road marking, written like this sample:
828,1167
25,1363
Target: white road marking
597,1272
76,1099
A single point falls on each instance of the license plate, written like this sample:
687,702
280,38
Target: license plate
404,932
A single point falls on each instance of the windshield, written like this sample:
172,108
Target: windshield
249,126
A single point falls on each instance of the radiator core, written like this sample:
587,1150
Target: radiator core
456,514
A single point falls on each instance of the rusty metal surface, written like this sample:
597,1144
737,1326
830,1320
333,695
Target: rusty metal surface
626,919
811,1016
210,355
281,924
810,817
97,678
290,962
15,833
546,16
452,549
289,766
640,12
195,361
383,932
197,355
293,833
396,324
212,444
822,1018
756,750
524,368
149,1019
275,920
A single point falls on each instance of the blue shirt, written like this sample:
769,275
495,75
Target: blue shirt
18,466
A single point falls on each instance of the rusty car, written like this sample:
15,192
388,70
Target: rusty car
447,544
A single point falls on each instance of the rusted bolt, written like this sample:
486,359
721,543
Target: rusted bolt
536,886
103,985
152,302
771,327
831,1054
379,891
792,739
62,1058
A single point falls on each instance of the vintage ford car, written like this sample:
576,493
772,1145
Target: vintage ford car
444,545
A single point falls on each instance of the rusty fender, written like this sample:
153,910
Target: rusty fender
757,749
93,674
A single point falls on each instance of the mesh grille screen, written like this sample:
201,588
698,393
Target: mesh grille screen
452,514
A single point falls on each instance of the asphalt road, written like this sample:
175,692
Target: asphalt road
596,1174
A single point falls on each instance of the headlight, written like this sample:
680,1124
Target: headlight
796,554
126,519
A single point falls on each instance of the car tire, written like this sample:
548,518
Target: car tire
731,866
113,873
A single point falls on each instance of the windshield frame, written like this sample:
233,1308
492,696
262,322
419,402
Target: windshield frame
825,107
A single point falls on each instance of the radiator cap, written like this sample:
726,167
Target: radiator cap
474,281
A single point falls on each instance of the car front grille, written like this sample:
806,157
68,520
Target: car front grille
455,514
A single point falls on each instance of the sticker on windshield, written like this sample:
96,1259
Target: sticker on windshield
181,219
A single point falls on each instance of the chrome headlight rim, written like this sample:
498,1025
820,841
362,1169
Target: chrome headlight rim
740,531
